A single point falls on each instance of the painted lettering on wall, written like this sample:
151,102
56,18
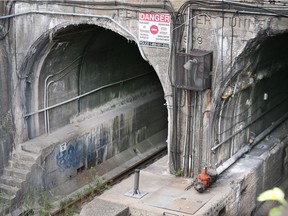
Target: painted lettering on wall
90,150
127,14
71,157
251,24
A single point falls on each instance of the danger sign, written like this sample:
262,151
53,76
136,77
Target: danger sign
154,30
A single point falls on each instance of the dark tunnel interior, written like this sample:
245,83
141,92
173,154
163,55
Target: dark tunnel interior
258,94
94,65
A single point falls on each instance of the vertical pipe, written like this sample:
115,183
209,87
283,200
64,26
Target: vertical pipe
194,133
190,100
46,86
47,111
186,167
46,103
136,181
174,144
174,140
186,144
188,31
190,45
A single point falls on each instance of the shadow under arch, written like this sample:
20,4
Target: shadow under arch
254,95
71,53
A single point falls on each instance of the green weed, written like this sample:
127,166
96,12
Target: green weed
177,172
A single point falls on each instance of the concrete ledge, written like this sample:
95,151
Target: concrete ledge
102,207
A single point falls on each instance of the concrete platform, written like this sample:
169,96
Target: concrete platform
105,208
166,194
234,193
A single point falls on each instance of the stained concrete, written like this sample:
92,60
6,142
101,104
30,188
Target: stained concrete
104,208
30,38
48,161
93,141
166,193
234,193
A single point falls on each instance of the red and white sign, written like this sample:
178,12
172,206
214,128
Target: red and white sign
154,30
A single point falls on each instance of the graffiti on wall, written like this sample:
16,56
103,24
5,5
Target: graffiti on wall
71,157
90,149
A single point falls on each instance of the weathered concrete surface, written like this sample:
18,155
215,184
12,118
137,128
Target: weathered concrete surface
222,118
104,208
39,44
6,118
234,193
240,37
229,33
98,139
48,161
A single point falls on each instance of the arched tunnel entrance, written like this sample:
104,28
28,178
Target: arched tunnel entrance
91,65
97,79
254,97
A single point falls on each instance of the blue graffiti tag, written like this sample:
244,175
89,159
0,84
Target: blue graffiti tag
69,158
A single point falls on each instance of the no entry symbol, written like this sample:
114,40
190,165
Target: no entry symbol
154,29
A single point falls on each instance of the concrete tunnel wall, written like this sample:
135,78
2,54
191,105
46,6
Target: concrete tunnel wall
6,121
255,97
120,116
111,137
207,35
123,135
81,59
236,49
210,32
40,40
6,117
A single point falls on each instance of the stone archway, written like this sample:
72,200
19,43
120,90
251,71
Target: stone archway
254,96
75,64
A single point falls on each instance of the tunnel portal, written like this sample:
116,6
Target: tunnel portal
96,79
86,67
254,97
